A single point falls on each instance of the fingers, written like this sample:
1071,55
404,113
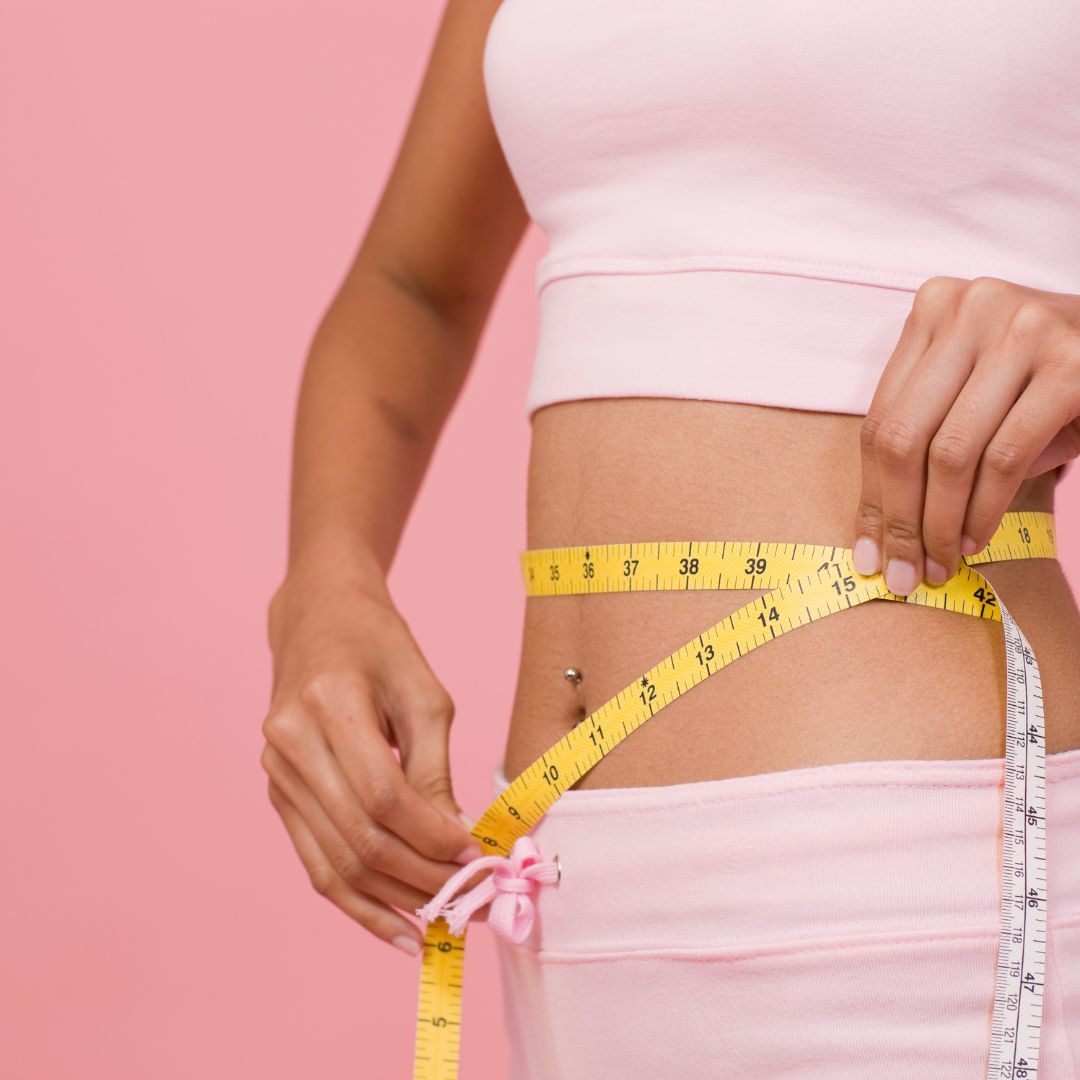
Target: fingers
303,759
372,915
870,516
352,722
902,446
337,852
1064,447
424,742
384,791
932,436
1040,413
955,451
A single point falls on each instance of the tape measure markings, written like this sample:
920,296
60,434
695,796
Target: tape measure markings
1015,1046
661,559
556,770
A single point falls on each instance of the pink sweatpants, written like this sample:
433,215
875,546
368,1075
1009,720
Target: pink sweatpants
835,921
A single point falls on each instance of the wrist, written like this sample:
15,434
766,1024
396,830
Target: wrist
322,582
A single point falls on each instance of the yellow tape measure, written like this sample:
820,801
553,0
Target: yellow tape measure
806,582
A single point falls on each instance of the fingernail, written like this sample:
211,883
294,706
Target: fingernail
406,944
968,546
900,576
466,820
866,556
936,574
468,854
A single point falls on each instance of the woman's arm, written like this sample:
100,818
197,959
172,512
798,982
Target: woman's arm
384,369
393,350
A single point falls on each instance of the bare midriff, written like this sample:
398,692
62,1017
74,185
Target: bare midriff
881,681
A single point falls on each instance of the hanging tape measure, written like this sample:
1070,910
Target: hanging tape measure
806,582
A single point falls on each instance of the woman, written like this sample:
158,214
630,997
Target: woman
812,277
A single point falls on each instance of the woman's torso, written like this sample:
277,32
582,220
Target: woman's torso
740,202
881,681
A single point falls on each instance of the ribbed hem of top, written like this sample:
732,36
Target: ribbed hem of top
672,329
719,335
553,269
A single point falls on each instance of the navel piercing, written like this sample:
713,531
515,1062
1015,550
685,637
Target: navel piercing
572,674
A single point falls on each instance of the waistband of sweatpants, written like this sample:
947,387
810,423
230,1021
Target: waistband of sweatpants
863,851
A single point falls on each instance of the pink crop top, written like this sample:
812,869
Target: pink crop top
740,199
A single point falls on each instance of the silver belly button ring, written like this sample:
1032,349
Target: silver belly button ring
572,674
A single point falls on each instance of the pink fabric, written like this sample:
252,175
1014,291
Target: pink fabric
507,889
835,921
740,199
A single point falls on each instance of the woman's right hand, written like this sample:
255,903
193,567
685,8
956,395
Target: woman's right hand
374,832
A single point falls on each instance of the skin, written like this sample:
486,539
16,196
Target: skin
378,831
880,681
981,392
357,731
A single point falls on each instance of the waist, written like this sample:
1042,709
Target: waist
881,681
664,467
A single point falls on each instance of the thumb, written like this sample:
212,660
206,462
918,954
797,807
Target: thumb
1063,447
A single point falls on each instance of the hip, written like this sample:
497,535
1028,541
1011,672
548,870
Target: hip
689,917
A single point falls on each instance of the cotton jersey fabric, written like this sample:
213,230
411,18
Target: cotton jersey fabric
837,921
741,199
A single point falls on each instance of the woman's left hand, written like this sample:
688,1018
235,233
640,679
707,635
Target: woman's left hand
981,393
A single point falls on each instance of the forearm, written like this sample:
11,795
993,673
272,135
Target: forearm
393,350
382,374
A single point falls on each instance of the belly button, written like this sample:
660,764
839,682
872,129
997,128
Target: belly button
573,675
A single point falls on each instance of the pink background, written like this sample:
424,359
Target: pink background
181,188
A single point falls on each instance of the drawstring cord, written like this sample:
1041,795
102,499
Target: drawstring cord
508,889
